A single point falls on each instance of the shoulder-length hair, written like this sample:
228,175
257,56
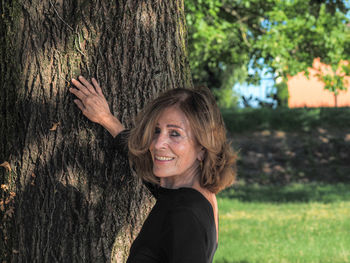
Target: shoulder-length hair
218,168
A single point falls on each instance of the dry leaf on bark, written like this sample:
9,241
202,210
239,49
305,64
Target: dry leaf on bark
54,126
7,166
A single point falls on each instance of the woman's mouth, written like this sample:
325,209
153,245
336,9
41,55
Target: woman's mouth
163,158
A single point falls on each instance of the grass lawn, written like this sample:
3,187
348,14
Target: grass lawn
270,224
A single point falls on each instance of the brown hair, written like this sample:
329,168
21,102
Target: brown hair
218,169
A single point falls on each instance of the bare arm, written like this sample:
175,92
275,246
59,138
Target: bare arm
94,106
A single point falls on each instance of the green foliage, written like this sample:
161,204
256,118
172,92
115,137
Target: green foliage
226,98
285,119
299,31
225,36
282,93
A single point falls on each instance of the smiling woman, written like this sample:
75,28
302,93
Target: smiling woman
179,150
194,115
175,153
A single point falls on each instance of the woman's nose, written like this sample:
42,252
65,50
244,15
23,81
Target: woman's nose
161,141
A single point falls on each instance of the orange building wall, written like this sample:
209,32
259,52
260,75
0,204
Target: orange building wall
304,92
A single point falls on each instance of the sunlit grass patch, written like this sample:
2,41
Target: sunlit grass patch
283,232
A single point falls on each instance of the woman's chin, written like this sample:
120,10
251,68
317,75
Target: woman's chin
161,174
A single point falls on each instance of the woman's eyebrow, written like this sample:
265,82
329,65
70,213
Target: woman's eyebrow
171,126
174,126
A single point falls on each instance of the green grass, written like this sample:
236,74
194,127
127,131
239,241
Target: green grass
265,229
285,119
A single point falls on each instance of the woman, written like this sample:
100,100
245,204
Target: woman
180,151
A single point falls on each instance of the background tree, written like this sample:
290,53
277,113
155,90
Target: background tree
227,37
66,196
300,31
335,78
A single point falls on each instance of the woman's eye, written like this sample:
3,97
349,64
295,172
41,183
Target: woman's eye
157,131
174,134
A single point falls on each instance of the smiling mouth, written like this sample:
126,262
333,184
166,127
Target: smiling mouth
163,158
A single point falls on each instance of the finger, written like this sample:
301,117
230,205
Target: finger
80,87
78,93
79,104
87,84
97,86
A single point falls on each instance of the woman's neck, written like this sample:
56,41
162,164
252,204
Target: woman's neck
175,182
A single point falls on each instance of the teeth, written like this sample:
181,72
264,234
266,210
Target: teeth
161,158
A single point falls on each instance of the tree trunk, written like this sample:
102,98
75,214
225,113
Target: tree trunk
65,195
335,100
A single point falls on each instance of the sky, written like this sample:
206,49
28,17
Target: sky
258,92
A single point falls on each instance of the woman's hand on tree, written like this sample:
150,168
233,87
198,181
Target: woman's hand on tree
94,106
91,100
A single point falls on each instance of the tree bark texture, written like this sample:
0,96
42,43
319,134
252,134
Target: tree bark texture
66,196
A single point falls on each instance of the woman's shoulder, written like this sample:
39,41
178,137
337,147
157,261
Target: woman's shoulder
191,210
187,201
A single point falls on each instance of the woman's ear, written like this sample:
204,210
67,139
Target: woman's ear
201,153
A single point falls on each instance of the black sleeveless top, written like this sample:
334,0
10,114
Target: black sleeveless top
179,228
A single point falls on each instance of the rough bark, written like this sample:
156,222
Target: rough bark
65,195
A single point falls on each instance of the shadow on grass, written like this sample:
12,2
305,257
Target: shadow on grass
228,261
326,193
285,119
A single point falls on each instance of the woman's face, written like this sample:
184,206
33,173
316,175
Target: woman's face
174,150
